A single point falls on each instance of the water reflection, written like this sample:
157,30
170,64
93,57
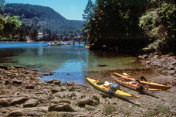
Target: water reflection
69,62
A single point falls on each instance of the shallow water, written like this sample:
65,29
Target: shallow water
68,62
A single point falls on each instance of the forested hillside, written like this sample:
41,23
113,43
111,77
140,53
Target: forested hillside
130,26
41,18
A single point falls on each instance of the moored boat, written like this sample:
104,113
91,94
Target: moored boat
53,43
101,87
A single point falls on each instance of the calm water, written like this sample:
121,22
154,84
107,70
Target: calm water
68,62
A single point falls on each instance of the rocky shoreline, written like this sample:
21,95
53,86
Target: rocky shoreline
23,94
164,64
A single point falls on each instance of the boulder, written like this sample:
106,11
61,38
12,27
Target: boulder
36,111
17,82
56,101
171,67
48,74
4,102
31,103
30,87
61,108
6,82
172,72
63,88
82,103
148,62
71,88
70,83
55,81
55,90
18,100
94,100
173,63
143,56
4,67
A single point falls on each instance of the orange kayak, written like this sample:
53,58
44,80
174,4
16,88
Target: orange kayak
134,85
146,83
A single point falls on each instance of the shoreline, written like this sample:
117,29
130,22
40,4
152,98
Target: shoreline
23,94
164,64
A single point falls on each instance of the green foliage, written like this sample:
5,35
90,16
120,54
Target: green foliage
2,92
115,24
109,109
2,20
159,25
128,25
2,2
148,19
8,27
160,111
41,18
12,23
88,11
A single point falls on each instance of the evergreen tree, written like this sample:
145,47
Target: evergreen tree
114,23
88,11
2,2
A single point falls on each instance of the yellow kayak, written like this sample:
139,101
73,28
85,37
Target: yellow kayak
148,83
100,86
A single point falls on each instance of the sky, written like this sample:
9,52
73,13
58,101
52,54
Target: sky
70,9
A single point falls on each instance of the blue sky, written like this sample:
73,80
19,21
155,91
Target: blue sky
70,9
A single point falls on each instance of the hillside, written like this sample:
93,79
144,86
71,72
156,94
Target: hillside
41,18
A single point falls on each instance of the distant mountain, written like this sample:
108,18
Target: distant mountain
42,18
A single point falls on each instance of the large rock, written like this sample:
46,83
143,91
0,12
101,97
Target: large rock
6,82
61,108
31,103
70,83
55,81
172,72
18,100
30,87
48,74
55,90
17,82
82,103
4,67
4,102
36,111
56,101
94,100
143,56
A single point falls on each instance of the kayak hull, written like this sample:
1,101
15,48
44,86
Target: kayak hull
102,88
134,86
147,83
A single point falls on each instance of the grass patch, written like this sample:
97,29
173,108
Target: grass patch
2,92
109,109
160,111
